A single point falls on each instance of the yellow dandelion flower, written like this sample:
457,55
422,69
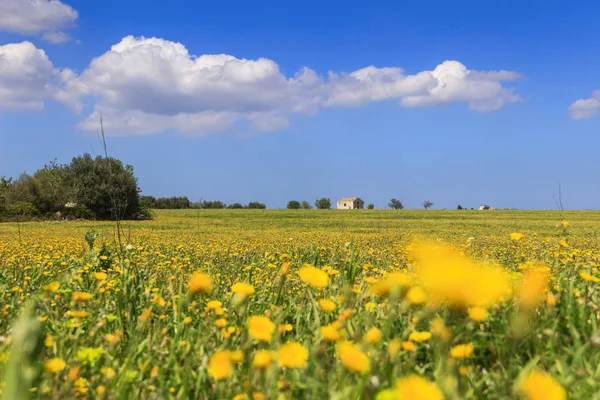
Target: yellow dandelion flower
101,276
590,278
51,287
292,355
81,296
261,328
199,283
55,365
219,365
315,277
409,346
242,289
516,236
352,357
540,386
373,335
533,286
448,276
262,359
416,387
330,333
461,351
478,314
416,296
327,305
419,336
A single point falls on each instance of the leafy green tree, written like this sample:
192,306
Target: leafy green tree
105,186
256,205
305,205
148,202
323,203
371,206
427,204
235,206
395,204
293,205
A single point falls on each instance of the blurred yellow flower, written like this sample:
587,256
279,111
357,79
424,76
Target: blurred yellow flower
461,351
352,357
313,276
327,305
417,388
221,323
330,333
199,283
51,287
101,276
236,356
373,335
393,347
590,278
242,289
416,296
478,314
540,386
292,355
516,236
261,328
55,365
219,365
213,305
533,286
408,346
262,359
78,314
448,276
419,336
81,296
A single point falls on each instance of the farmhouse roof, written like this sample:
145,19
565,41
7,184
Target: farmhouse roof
348,198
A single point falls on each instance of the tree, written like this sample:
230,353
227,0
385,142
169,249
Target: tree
212,204
323,203
256,205
395,204
305,205
460,207
371,206
148,202
105,186
235,206
293,205
427,204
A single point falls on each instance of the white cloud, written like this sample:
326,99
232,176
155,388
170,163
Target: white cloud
150,85
586,108
146,86
32,17
56,37
26,76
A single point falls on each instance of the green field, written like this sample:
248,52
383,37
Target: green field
390,310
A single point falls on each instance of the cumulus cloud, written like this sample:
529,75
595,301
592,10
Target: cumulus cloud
32,17
150,85
586,108
26,76
56,37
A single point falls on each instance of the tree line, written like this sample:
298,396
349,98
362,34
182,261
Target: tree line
86,188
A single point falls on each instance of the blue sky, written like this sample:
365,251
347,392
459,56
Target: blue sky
264,133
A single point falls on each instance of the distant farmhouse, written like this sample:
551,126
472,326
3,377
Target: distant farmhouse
350,203
482,208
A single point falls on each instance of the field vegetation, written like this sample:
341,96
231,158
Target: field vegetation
303,304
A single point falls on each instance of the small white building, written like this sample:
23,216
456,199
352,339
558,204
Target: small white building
350,203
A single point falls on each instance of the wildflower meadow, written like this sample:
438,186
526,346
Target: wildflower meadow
303,304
